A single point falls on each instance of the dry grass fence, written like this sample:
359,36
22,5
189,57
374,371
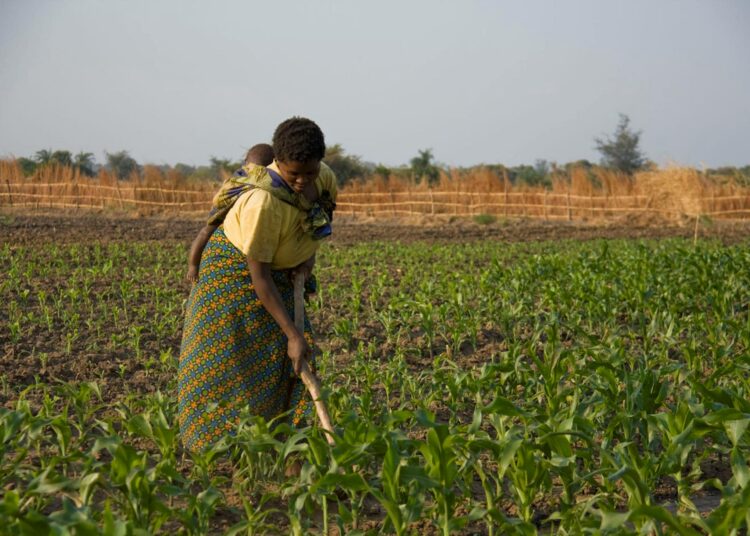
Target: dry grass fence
673,193
64,187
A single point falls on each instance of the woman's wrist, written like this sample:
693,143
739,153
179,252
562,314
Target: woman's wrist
295,335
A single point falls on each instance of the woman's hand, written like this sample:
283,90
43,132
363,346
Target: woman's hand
265,288
298,350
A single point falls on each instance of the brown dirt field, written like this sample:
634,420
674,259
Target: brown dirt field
23,229
20,229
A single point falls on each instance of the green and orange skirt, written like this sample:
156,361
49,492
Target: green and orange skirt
233,352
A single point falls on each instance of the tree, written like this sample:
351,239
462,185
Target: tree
345,166
621,151
85,163
62,158
382,170
27,165
184,169
219,164
583,164
422,166
536,175
43,157
121,164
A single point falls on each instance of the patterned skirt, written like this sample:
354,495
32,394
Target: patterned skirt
233,352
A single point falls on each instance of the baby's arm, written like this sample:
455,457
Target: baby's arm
196,249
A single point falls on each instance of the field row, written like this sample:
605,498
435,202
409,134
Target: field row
483,388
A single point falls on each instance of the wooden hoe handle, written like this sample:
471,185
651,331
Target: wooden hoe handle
308,376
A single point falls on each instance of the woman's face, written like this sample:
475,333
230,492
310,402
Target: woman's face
299,174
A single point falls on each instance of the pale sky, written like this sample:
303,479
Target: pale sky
476,81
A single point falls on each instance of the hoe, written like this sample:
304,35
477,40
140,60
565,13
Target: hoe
308,376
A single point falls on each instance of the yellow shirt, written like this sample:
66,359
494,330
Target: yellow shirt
267,229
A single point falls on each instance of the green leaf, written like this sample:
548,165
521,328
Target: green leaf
110,443
94,386
414,473
349,482
723,415
736,429
476,421
559,444
425,418
661,514
112,526
392,509
243,527
613,520
9,504
209,496
503,406
319,449
86,483
509,450
47,484
299,503
345,514
638,492
476,514
478,445
561,461
718,395
740,469
139,424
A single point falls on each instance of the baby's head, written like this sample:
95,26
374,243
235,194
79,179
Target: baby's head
260,154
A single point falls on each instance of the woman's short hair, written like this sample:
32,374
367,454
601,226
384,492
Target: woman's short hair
298,139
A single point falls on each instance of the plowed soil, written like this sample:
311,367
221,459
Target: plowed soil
21,229
20,361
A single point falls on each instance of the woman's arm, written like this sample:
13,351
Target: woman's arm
265,288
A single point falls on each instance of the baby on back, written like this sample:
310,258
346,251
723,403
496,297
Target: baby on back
258,155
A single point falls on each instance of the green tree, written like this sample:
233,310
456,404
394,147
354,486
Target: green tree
27,165
218,164
121,164
382,170
85,163
345,166
621,151
43,157
62,158
583,163
536,175
184,169
204,173
422,166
